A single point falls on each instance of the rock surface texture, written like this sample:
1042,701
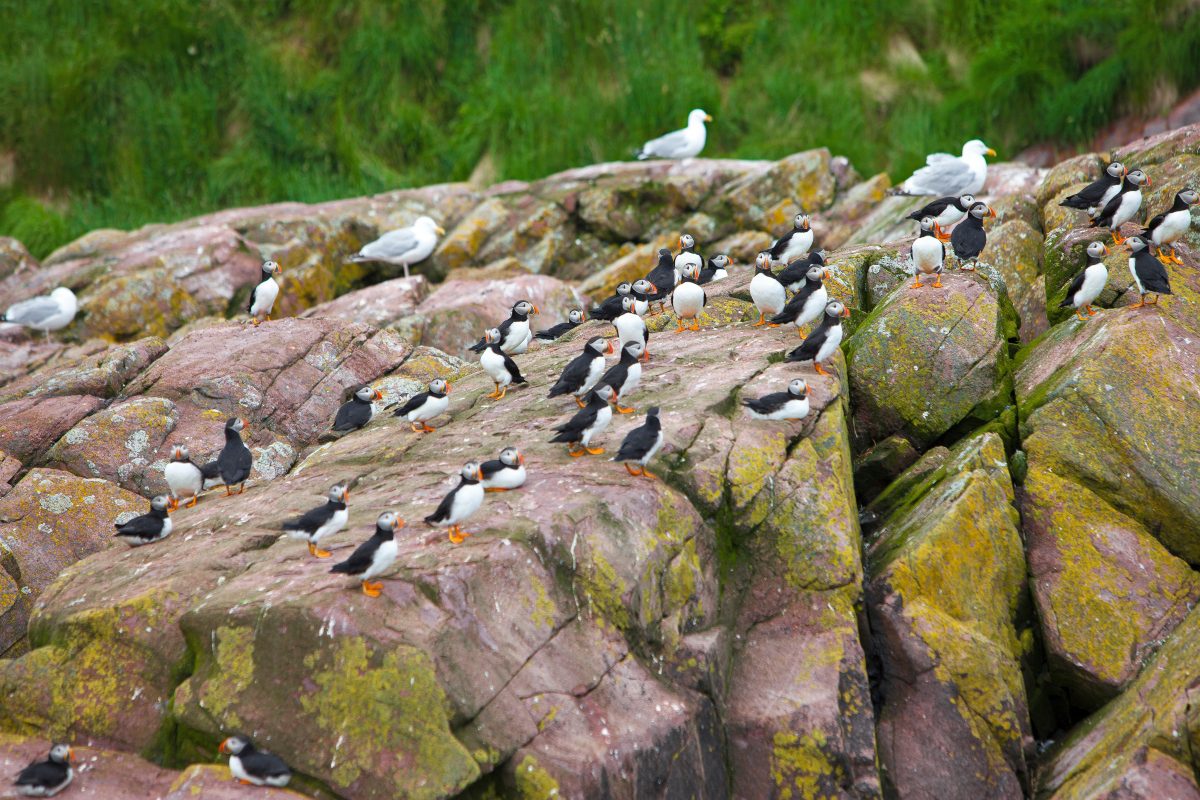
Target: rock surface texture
969,572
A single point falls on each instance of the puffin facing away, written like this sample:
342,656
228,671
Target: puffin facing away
262,299
825,340
624,376
424,406
322,521
946,212
1123,206
148,528
503,473
662,279
969,238
794,274
403,247
514,333
584,371
47,778
928,254
357,411
375,555
1149,275
795,243
641,444
1168,227
252,766
235,461
610,309
575,318
792,404
766,291
186,478
808,303
499,365
588,423
1088,284
462,501
1097,193
685,143
689,298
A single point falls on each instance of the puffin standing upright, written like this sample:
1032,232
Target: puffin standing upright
795,243
424,406
969,238
504,473
662,279
373,557
323,521
252,766
150,527
1088,285
499,365
808,303
514,333
588,423
186,478
689,298
825,340
792,404
611,307
766,291
946,212
641,444
356,412
235,461
632,328
583,371
47,778
928,254
1149,275
1123,206
642,291
1097,193
575,318
462,501
1170,226
624,376
687,255
262,299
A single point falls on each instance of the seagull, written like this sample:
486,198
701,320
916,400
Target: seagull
944,174
685,143
403,246
47,313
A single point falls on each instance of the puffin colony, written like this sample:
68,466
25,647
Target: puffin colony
676,282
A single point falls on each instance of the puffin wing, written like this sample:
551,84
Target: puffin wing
250,305
943,174
572,429
793,307
310,520
34,311
1110,208
41,773
265,765
145,525
442,512
781,244
359,560
933,209
1088,196
637,443
768,402
511,367
1154,223
553,332
609,310
1075,286
1153,275
490,468
573,375
809,349
352,415
414,402
211,471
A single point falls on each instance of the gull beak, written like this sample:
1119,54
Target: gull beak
441,231
845,311
521,459
610,350
990,152
708,117
378,395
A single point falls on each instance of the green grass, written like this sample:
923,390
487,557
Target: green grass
122,112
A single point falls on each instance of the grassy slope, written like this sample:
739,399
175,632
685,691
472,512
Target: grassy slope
121,112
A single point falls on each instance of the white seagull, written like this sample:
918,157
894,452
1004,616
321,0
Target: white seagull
403,246
944,174
685,143
47,313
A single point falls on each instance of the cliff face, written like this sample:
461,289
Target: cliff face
968,573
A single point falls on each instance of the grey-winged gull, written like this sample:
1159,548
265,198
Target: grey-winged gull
685,143
404,246
944,174
46,313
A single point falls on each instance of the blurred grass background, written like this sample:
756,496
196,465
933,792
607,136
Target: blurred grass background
122,112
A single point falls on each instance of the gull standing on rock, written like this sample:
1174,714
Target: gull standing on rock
404,246
944,174
685,143
51,312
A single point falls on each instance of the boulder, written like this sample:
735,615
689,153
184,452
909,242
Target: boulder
1014,252
379,306
771,198
28,427
92,369
14,258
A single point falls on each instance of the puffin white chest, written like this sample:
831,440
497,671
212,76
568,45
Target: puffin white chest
687,300
595,372
467,499
1173,227
1094,279
927,254
1130,203
507,478
952,215
335,524
813,306
798,245
767,293
184,479
833,340
630,328
517,339
383,557
432,406
603,417
493,364
633,377
264,297
1137,281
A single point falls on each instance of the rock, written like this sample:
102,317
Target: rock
771,199
1074,173
14,258
50,520
150,302
744,246
9,467
1014,250
30,426
880,465
946,579
96,370
927,359
629,267
836,225
1097,640
378,306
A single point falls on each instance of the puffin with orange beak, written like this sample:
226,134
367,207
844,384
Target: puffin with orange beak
662,279
357,411
808,303
1123,206
794,244
1088,284
262,299
235,461
575,318
588,423
825,340
514,332
153,526
1097,193
641,444
498,365
631,327
374,556
969,238
254,767
583,371
186,478
768,294
47,778
462,501
424,406
322,521
503,473
794,274
1149,275
626,375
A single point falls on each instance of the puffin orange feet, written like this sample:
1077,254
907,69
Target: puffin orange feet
596,451
695,324
631,471
1080,315
916,285
192,503
496,489
1091,311
937,284
372,589
318,552
457,535
580,402
573,453
762,320
817,367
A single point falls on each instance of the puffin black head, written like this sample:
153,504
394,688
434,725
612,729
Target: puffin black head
927,224
980,210
603,394
439,387
644,286
686,242
817,257
492,336
386,525
801,221
339,493
511,456
366,394
1188,197
235,746
835,309
965,201
576,316
762,262
1138,178
1116,170
1097,250
62,754
1136,244
235,425
652,411
523,308
798,388
180,453
471,473
816,274
161,504
599,345
665,256
271,269
632,351
623,289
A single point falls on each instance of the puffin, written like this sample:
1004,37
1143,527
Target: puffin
252,766
969,238
1099,191
150,527
514,333
825,340
792,404
588,423
684,143
499,365
794,275
262,299
357,411
766,291
404,246
1123,206
47,778
375,555
1149,275
462,501
575,318
928,254
1168,227
717,269
1088,284
186,478
632,328
641,444
424,406
234,462
610,309
624,376
583,371
808,303
687,255
689,299
662,278
503,473
642,291
322,521
946,212
795,243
